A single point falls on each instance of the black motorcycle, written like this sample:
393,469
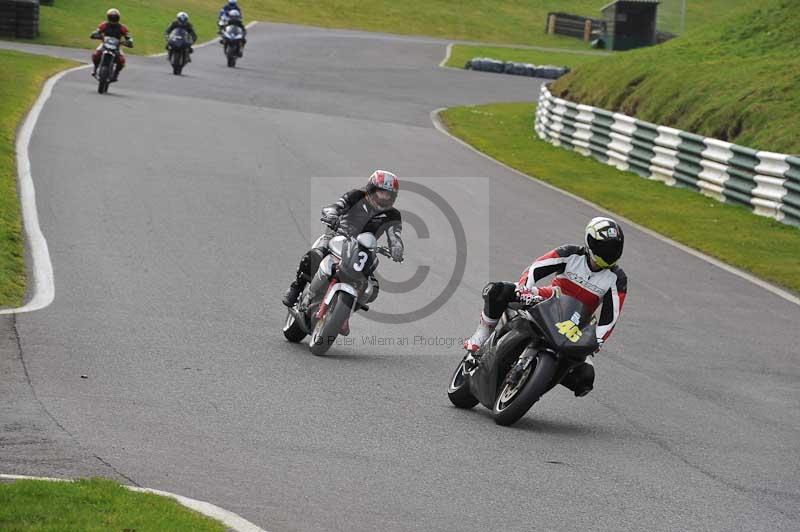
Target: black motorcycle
233,43
106,68
179,44
531,351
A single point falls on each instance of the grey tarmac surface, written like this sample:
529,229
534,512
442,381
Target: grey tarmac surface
175,210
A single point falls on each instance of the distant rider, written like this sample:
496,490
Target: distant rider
181,22
235,19
369,209
587,273
232,5
225,13
111,28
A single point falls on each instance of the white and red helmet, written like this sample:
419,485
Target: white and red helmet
382,188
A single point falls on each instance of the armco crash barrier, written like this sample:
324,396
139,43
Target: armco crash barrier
487,64
19,18
767,182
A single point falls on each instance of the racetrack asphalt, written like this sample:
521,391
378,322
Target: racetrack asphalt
175,211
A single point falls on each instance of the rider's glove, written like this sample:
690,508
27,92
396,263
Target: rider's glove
528,297
331,221
397,253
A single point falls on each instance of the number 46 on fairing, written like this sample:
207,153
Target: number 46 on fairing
570,330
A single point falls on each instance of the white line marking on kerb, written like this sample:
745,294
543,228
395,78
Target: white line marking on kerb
447,55
212,41
788,296
43,283
229,519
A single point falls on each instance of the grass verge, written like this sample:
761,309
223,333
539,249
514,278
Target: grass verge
17,94
68,23
92,505
462,53
765,247
735,80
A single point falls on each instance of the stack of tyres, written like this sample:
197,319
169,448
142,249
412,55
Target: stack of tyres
27,14
550,71
486,64
8,18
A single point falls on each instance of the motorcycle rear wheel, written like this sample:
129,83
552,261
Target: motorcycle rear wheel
292,330
327,329
514,402
458,390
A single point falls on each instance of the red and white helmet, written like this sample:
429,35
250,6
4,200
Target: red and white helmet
382,188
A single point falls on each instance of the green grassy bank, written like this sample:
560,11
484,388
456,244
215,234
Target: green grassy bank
737,80
92,506
17,94
730,233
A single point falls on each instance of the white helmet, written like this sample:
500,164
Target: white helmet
604,241
183,17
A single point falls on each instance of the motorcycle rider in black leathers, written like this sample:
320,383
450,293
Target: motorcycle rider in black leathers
181,21
370,209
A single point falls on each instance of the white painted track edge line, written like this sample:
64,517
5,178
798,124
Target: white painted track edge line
229,519
43,291
212,41
447,55
780,292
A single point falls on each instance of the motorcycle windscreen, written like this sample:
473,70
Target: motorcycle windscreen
566,325
234,32
178,37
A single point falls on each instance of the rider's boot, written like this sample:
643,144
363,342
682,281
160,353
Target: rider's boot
474,343
484,330
115,75
294,291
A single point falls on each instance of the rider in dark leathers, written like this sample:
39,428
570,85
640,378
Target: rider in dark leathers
181,21
361,210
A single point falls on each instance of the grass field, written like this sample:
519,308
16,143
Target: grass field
730,233
92,506
68,22
462,53
17,94
737,81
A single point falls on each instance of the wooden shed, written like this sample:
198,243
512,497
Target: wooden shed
630,23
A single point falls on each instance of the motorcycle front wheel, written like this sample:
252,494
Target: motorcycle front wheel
458,390
327,328
514,401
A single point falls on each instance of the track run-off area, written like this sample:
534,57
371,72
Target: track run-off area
175,210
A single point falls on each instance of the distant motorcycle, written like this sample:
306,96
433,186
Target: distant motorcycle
342,285
530,352
179,43
106,69
232,41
